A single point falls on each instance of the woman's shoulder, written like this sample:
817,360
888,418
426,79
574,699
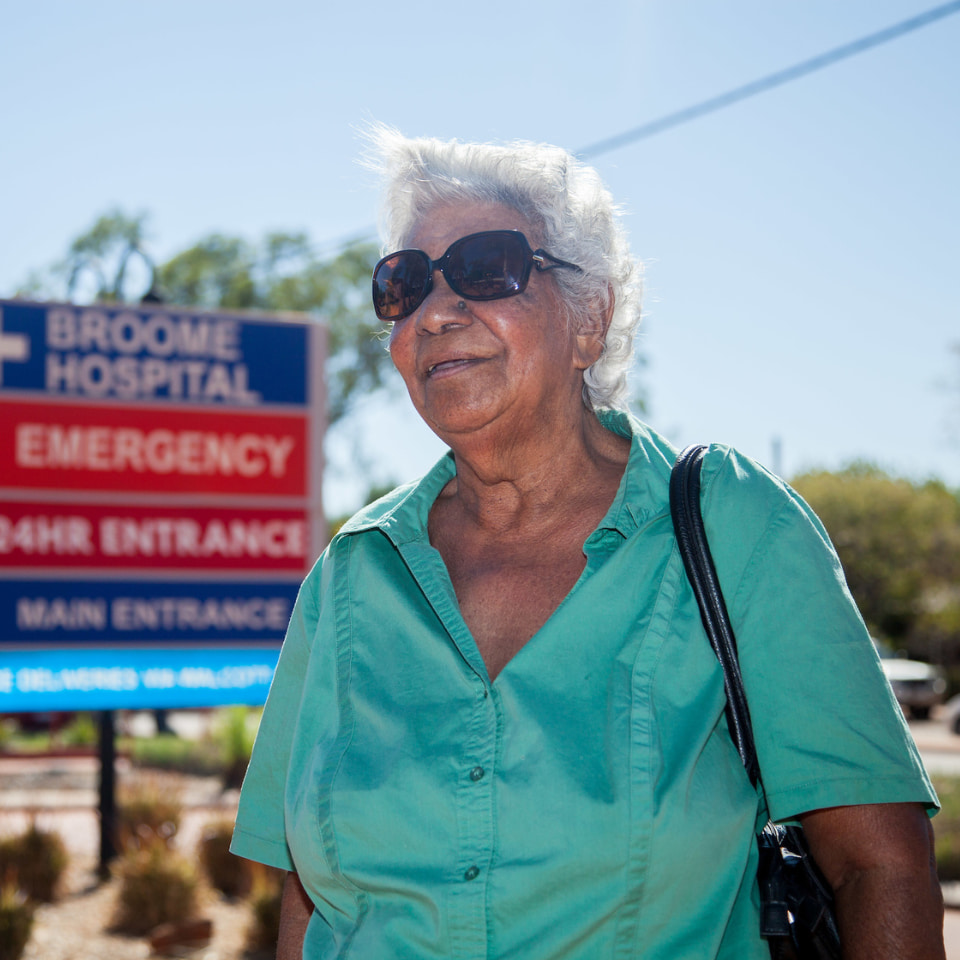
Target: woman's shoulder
733,482
757,524
728,472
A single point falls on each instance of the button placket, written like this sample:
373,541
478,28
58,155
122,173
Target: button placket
476,825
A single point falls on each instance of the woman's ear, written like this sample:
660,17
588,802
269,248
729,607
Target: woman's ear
592,332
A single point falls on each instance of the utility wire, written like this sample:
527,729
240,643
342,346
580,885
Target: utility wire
751,89
772,80
355,239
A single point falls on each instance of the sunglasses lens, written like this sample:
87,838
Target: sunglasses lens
482,266
399,284
488,266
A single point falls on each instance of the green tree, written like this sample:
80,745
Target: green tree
899,543
281,273
97,263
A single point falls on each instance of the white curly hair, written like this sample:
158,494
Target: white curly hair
562,197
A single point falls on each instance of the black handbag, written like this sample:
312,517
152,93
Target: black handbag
797,916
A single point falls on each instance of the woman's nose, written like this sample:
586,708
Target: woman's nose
443,309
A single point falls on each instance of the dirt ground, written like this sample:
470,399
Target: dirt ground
61,794
76,926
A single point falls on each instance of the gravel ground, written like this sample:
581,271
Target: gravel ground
76,926
61,794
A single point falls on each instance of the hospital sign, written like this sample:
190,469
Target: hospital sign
160,474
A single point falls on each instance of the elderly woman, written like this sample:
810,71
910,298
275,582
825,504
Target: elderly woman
497,728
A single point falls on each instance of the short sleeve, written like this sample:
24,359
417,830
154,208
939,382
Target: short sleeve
828,729
259,832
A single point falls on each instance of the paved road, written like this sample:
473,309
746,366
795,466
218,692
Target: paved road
939,747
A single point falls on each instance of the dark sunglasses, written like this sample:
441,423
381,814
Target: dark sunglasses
481,266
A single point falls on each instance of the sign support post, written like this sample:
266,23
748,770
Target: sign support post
107,792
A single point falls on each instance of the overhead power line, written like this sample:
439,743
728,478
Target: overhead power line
336,247
772,80
751,89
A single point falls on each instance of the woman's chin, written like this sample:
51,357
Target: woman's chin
453,413
453,428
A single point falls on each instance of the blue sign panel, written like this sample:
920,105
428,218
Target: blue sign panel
109,679
135,354
65,613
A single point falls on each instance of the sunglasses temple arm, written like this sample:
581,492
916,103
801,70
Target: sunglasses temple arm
541,256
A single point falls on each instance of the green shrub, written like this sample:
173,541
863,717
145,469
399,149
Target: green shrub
81,731
148,811
7,732
265,900
36,859
226,872
167,751
25,741
16,921
946,828
234,736
224,751
156,886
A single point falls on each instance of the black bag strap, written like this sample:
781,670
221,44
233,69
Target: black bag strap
797,908
698,562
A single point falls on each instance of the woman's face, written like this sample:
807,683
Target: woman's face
506,366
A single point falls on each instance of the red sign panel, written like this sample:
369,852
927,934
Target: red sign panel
136,537
56,446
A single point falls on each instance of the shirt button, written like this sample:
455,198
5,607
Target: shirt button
471,873
477,774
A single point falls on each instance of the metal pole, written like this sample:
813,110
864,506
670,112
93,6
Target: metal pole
108,799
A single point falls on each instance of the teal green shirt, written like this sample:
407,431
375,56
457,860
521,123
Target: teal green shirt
588,803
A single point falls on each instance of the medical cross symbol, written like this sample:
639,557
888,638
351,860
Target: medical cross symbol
13,346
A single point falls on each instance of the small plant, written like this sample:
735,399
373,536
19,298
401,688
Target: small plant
149,810
7,731
37,859
21,741
946,828
226,872
234,739
223,750
16,920
947,851
169,752
265,897
156,886
81,731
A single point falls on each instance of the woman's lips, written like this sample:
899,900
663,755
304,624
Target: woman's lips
449,367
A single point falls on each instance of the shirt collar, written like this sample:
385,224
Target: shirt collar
403,513
643,493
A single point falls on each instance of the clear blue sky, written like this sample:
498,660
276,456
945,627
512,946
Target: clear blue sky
801,247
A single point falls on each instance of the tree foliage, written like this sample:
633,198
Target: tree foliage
281,273
899,543
98,260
